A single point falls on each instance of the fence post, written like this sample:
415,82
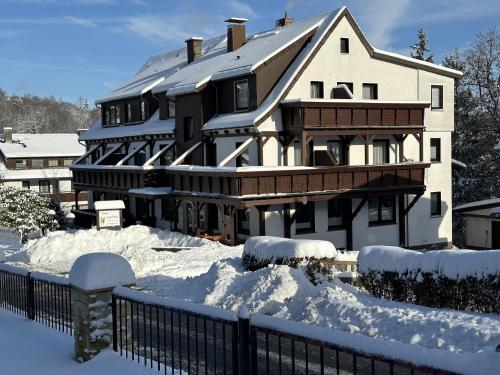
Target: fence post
244,345
30,295
114,317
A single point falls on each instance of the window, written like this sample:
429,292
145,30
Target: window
244,221
171,108
26,184
129,112
344,45
67,162
168,156
436,97
435,149
243,160
167,210
381,152
188,128
338,151
139,159
53,163
113,115
241,95
304,217
44,186
350,85
297,153
37,163
370,91
21,163
144,110
317,89
436,204
335,214
381,210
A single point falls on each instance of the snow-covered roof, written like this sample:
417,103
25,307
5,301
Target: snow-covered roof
42,145
109,205
478,205
39,174
457,163
151,191
151,127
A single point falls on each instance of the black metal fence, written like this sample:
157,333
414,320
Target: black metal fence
43,298
172,339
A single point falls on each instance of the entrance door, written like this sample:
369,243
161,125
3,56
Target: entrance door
495,234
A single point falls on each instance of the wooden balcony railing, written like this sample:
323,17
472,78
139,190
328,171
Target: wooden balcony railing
262,181
314,114
116,178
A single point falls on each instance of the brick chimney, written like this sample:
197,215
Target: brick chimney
194,48
236,33
285,21
7,135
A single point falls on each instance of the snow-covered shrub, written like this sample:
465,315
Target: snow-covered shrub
24,210
314,256
457,279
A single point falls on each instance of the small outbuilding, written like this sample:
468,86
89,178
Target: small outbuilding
482,223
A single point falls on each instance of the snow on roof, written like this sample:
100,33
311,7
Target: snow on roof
151,127
42,145
27,174
478,205
109,205
162,66
91,272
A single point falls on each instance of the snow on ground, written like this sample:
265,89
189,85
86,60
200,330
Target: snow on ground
29,348
213,274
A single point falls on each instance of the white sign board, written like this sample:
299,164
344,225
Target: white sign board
110,219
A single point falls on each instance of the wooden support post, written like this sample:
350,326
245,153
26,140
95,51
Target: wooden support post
304,149
402,220
260,153
286,220
228,225
262,220
367,150
349,219
77,192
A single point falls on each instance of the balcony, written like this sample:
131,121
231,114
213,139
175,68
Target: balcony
117,179
285,184
344,116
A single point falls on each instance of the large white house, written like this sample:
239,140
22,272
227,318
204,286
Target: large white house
305,130
40,162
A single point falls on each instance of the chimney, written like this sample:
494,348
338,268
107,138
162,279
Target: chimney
236,33
285,21
194,48
7,135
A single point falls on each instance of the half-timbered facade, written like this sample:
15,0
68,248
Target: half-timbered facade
40,162
304,131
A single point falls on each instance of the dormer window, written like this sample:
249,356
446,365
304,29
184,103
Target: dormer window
113,115
144,110
344,45
171,109
241,95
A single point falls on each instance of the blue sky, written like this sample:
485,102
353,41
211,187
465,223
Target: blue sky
72,48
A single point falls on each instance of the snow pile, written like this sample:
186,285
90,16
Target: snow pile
101,271
273,248
454,264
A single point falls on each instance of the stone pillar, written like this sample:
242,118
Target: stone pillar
93,278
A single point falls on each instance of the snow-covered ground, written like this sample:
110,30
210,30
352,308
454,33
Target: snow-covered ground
212,273
28,348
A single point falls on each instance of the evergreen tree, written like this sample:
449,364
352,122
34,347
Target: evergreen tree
420,47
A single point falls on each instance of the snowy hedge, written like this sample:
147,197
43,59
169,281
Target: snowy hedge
457,279
23,210
316,256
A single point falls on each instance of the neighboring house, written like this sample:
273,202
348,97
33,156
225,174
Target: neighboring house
304,130
482,223
40,162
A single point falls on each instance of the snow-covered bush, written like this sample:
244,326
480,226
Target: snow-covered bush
457,279
24,210
314,256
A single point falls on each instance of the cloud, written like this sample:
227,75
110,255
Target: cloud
241,9
81,21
